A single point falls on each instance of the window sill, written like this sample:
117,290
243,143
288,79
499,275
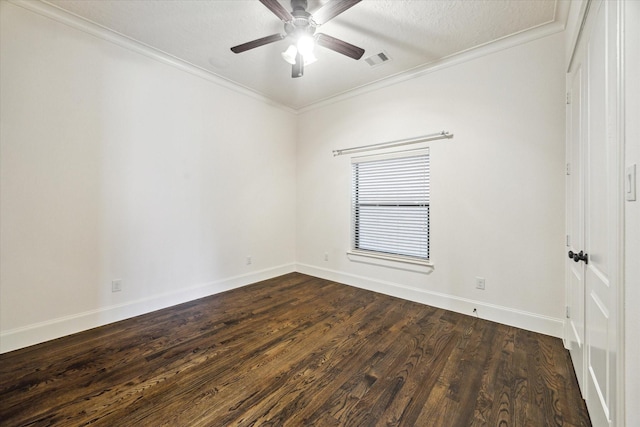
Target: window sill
391,261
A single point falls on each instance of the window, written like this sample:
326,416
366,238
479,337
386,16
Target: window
390,204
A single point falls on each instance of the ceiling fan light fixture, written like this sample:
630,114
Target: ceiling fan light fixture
305,44
300,27
309,58
290,54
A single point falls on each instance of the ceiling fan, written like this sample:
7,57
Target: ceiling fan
300,26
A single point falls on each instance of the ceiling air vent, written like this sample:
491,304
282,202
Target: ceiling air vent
377,59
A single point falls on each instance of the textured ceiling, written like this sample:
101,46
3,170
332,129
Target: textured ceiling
413,33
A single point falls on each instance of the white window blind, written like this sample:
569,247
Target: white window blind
390,204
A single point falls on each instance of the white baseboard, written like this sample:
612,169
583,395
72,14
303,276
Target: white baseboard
500,314
40,332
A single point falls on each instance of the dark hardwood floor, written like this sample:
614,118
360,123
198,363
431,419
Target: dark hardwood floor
294,351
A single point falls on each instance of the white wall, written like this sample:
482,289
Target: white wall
118,166
632,213
497,206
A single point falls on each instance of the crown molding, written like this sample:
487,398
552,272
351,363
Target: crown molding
48,10
507,42
42,7
562,12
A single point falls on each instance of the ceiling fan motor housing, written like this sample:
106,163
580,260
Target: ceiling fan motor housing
297,5
302,22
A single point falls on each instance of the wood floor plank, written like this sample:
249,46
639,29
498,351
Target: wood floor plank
294,351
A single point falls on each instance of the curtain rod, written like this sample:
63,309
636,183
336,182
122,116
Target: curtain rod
423,138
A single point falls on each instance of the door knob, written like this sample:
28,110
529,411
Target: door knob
581,257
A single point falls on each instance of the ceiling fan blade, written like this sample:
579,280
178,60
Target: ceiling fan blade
278,10
332,9
339,46
257,43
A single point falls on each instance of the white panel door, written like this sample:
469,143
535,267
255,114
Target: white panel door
575,226
594,203
601,216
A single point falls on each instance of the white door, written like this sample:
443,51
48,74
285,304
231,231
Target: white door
601,222
594,211
575,226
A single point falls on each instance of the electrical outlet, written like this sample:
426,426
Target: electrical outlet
116,285
249,260
480,283
326,256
